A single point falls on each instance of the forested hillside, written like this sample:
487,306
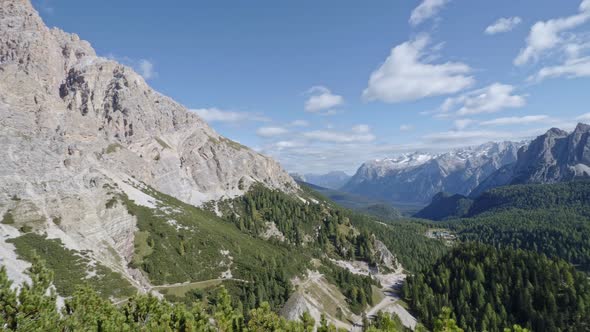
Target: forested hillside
303,221
488,289
552,219
559,233
341,233
574,196
446,206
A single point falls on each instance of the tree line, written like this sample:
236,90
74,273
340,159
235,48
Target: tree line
487,289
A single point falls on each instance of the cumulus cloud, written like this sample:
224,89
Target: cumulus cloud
358,134
218,115
515,120
546,35
426,10
584,117
299,123
146,69
406,75
322,151
271,131
503,24
490,99
406,128
571,68
322,99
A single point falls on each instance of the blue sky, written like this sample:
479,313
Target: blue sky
326,85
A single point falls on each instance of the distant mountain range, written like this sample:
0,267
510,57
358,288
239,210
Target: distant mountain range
556,156
332,180
417,177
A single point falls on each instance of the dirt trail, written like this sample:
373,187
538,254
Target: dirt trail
390,282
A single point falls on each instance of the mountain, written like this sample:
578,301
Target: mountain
332,180
118,187
417,177
78,131
553,157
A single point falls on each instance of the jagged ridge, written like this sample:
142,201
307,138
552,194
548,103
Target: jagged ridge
417,177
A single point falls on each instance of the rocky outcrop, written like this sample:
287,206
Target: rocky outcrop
417,177
556,156
72,125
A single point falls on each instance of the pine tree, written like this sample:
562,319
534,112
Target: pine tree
37,309
8,301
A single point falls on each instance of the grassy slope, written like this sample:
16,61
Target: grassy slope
190,248
70,267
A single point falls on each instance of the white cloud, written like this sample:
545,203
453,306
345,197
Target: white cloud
461,124
271,131
361,129
573,48
572,68
322,99
405,76
358,134
545,35
406,127
218,115
584,117
467,137
146,69
143,67
45,6
524,120
490,99
503,24
288,144
299,123
426,10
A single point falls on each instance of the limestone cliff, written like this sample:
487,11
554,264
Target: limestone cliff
72,125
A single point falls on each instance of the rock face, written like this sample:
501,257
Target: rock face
73,124
417,177
553,157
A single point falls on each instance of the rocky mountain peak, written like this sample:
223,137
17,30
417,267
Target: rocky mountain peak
417,177
556,132
582,128
76,129
55,86
553,157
